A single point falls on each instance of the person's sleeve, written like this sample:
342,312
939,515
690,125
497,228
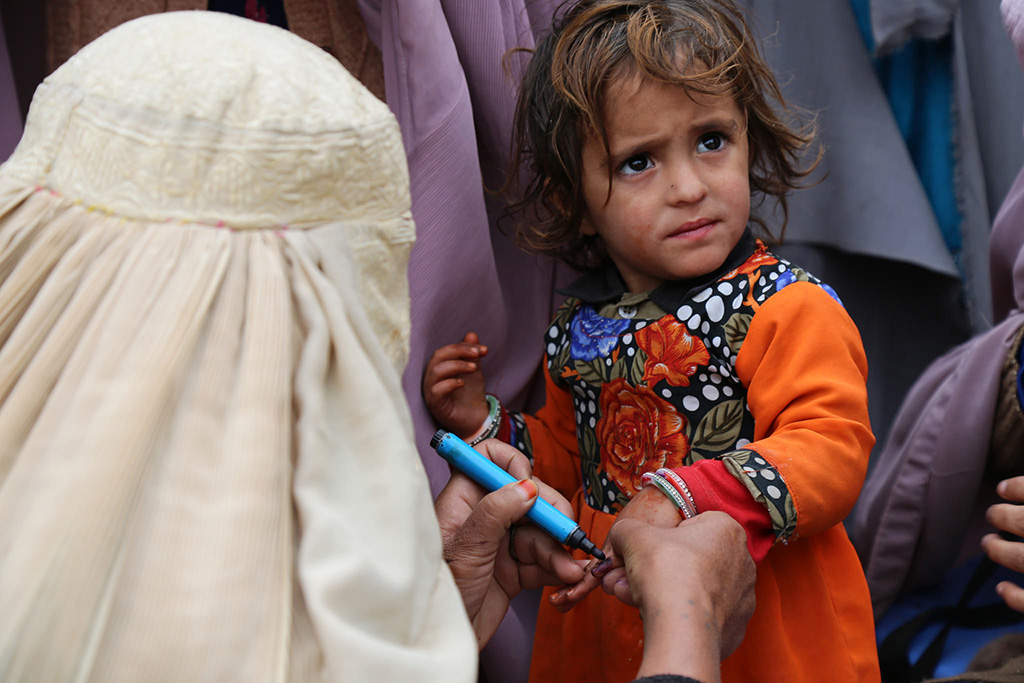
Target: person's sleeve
713,487
548,438
805,371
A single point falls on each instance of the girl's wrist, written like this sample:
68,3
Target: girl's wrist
491,424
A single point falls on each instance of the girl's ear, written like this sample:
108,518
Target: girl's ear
586,227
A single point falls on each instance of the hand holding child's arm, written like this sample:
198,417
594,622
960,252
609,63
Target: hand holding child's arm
694,585
650,506
454,387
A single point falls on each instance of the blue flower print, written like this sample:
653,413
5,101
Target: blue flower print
789,277
594,336
832,293
785,280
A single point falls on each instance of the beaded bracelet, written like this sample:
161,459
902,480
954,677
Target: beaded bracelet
489,429
650,478
680,485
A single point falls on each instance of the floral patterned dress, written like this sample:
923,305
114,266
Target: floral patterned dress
756,367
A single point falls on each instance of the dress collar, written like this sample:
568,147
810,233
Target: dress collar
606,284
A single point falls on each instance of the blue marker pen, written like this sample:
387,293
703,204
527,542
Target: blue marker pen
491,477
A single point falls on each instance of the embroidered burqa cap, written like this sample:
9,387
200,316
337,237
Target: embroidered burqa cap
206,465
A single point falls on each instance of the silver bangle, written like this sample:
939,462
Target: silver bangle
680,483
492,424
665,487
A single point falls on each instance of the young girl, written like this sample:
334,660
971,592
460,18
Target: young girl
689,369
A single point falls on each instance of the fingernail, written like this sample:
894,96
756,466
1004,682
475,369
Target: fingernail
602,567
557,596
1001,488
527,489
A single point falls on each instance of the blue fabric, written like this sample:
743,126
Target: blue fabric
918,80
962,643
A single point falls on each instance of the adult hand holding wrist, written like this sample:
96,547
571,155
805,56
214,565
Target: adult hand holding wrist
694,584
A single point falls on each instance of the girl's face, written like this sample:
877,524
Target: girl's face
680,193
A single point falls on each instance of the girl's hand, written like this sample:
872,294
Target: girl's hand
650,506
454,388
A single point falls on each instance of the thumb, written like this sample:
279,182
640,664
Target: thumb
496,512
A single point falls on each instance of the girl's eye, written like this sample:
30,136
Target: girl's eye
710,142
635,164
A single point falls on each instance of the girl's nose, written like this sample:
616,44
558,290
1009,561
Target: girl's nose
686,186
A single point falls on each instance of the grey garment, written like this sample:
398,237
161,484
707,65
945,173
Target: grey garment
871,201
928,488
10,116
989,107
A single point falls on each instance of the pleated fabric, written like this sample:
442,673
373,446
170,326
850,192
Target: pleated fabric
207,469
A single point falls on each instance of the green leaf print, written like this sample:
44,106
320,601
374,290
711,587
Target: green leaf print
588,445
594,372
736,330
636,370
720,427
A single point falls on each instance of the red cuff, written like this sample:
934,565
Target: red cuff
505,428
714,488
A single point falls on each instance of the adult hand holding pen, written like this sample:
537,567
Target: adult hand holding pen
475,534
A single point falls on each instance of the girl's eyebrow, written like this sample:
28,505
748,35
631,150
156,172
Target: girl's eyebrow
725,124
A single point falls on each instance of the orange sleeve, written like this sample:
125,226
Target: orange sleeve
805,371
552,440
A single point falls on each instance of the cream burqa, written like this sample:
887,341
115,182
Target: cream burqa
206,462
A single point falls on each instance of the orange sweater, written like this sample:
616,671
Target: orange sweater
798,362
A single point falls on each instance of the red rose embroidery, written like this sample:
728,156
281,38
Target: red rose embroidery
638,432
673,354
759,258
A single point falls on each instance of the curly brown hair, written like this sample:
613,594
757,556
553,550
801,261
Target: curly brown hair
703,46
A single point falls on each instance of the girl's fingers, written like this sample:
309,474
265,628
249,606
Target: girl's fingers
472,339
569,596
450,368
442,389
458,351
